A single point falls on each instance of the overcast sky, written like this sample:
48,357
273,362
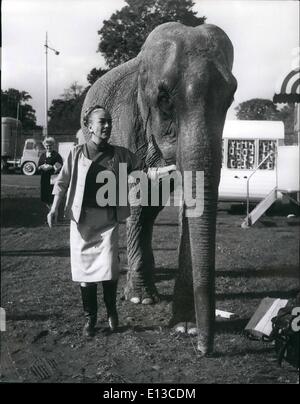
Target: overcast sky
264,34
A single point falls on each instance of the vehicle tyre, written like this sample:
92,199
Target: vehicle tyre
29,168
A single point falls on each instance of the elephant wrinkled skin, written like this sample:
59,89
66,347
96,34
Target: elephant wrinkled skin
169,105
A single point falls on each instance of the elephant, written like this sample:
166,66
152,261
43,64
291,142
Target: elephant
168,105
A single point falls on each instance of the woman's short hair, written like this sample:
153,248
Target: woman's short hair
49,140
87,114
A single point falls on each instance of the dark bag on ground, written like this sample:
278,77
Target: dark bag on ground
286,334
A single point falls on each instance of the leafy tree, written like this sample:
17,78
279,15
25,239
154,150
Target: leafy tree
94,74
65,114
14,102
258,109
73,92
287,115
263,109
123,35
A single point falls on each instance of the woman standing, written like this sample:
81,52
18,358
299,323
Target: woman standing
50,163
94,229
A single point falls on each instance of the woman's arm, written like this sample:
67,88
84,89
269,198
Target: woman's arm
60,187
53,214
63,180
59,159
153,173
57,166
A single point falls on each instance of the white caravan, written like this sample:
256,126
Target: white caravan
256,166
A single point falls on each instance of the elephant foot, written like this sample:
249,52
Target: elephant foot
192,329
203,346
140,294
204,349
147,300
186,328
180,328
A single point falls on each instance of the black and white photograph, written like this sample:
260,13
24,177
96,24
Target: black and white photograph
150,194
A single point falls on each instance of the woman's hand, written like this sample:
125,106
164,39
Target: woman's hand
53,214
52,217
171,168
48,167
156,173
45,167
57,166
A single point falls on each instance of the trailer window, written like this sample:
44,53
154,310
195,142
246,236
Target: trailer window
266,147
241,154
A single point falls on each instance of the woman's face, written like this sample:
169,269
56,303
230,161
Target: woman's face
100,126
49,147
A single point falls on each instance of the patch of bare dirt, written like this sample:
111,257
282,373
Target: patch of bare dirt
43,340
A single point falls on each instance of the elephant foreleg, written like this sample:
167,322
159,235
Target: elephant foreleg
183,307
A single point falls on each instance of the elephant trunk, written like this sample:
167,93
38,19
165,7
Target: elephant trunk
200,151
202,246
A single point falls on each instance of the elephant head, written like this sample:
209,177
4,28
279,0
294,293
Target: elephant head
173,98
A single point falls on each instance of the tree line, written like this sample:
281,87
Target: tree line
120,39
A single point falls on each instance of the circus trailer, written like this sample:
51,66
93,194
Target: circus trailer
256,165
17,152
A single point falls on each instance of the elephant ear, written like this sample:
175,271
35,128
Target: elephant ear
117,92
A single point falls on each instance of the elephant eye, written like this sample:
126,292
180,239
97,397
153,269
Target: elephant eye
164,101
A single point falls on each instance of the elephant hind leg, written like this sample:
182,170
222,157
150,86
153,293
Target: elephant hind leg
140,286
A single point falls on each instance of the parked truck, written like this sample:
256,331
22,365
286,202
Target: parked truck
17,152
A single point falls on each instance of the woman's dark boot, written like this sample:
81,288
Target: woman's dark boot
90,307
110,297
